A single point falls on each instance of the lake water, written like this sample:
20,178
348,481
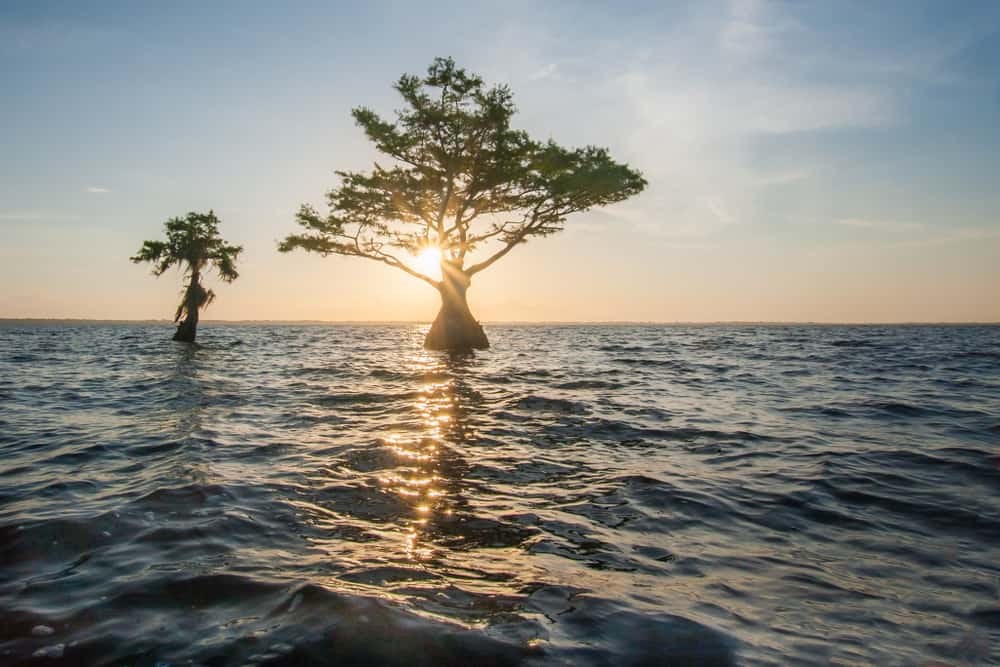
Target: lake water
576,495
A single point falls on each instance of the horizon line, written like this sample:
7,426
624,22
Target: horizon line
306,322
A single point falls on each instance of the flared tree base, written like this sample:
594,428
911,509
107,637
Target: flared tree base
456,331
186,331
455,328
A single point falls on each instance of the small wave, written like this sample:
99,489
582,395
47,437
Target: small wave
534,403
362,399
978,354
852,343
823,410
899,408
589,384
988,617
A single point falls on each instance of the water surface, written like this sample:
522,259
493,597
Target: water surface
576,495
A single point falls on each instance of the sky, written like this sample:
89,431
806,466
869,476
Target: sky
807,161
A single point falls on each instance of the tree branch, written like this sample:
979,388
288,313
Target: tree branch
389,260
518,237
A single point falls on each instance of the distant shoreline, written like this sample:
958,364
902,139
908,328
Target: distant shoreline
9,321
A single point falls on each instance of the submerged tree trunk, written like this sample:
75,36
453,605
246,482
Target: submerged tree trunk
455,328
188,327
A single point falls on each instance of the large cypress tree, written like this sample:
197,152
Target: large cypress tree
460,180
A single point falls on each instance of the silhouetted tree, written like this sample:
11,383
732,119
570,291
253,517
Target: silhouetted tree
193,242
460,180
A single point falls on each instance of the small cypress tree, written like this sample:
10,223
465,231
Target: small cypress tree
193,242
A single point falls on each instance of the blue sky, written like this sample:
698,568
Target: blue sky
807,161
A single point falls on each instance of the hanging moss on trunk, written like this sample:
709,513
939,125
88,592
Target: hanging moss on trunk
196,297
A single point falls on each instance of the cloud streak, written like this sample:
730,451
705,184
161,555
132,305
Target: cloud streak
880,225
547,72
36,216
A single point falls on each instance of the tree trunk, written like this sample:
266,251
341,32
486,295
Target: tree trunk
188,327
455,328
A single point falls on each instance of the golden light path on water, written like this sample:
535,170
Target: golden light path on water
447,523
421,487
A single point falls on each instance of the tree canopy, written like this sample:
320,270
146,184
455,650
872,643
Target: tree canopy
459,179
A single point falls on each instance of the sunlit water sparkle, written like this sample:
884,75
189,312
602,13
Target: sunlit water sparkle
576,495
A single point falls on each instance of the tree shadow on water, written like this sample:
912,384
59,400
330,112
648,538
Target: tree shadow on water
185,392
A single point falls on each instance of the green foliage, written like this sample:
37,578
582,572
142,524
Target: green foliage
193,243
461,178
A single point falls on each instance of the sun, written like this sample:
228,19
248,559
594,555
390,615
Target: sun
428,262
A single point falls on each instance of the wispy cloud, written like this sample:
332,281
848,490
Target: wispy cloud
691,107
782,178
94,190
754,29
549,71
915,234
36,216
880,224
963,235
